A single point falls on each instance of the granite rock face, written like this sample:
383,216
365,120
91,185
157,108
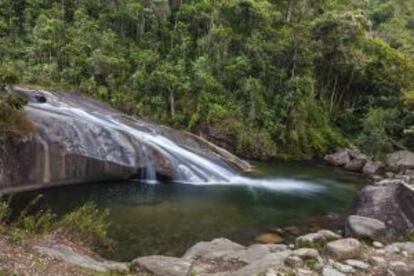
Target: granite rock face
391,203
80,140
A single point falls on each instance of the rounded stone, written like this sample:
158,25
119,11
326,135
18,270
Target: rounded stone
344,249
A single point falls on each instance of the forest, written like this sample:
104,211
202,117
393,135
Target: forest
288,79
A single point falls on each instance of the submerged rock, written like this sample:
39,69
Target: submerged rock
269,238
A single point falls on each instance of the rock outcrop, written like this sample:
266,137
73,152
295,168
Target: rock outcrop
400,160
391,203
81,140
349,159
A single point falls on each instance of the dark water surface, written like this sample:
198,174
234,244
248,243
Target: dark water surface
168,218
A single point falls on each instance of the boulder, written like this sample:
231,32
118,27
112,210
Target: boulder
363,227
338,159
344,249
162,266
373,167
391,204
208,249
400,160
270,261
355,165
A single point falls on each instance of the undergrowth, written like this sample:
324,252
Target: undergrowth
87,224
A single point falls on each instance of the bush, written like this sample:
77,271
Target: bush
87,224
373,138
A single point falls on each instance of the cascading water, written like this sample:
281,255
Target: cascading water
188,166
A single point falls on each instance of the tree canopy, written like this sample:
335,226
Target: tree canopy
264,78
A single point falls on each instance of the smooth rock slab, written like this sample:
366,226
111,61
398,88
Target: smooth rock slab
162,266
67,254
344,249
364,227
207,249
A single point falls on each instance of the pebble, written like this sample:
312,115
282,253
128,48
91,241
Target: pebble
397,265
377,244
343,268
378,261
392,249
303,272
294,261
306,253
329,271
358,264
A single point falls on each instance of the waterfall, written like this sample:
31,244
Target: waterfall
188,167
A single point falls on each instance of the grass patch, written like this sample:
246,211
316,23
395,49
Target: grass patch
87,224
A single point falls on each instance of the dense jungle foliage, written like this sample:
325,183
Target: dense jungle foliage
264,78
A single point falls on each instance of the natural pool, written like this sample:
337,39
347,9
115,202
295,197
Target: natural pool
169,218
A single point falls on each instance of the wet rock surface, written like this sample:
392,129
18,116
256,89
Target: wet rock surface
80,140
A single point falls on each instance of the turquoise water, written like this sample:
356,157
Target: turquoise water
168,218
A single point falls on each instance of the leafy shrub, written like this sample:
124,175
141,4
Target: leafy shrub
374,138
87,224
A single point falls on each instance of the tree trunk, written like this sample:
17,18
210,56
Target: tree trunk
172,104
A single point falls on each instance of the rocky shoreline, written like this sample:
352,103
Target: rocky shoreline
320,253
376,238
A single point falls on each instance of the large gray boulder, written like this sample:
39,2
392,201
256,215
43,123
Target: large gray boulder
373,167
80,140
391,204
349,159
400,160
163,266
339,158
212,249
363,227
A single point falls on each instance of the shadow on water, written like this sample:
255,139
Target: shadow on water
168,218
